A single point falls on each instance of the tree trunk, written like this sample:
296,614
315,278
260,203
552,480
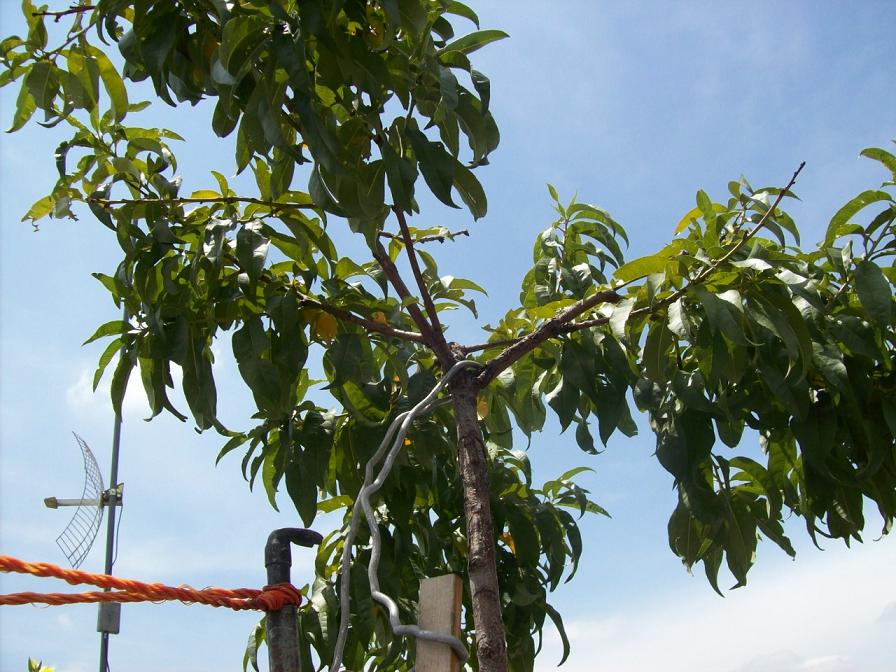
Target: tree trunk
491,649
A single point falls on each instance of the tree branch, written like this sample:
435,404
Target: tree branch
705,273
548,329
426,332
74,9
369,325
451,235
503,343
418,276
230,200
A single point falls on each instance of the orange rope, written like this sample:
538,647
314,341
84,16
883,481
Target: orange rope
270,598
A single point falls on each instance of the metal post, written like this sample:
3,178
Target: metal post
282,625
110,535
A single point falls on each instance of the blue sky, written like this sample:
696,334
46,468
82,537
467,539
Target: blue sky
633,106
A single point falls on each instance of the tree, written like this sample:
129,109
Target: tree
727,327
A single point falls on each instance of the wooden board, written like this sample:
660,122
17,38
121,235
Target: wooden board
440,604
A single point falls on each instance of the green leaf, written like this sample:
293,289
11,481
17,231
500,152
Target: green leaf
693,215
108,329
845,213
523,531
239,39
476,40
460,9
483,87
874,292
118,95
251,348
584,439
657,351
561,630
256,638
470,190
252,249
43,84
25,107
722,312
104,360
641,267
302,490
270,475
345,356
120,380
564,399
41,208
881,155
436,164
401,175
450,282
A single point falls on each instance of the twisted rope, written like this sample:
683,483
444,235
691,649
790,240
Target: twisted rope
270,598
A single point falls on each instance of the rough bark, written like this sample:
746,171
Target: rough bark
491,649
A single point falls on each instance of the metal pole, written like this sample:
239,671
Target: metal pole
102,625
110,531
282,625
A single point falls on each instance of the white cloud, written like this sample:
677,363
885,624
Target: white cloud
812,615
788,661
81,397
888,613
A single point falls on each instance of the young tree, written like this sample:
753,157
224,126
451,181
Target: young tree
729,327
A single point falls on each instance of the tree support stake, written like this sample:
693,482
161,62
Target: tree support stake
282,625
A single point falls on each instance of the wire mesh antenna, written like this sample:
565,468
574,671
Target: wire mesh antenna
78,536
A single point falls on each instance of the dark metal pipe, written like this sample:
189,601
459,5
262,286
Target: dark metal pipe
282,625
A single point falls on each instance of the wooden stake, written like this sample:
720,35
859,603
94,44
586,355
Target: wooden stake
440,604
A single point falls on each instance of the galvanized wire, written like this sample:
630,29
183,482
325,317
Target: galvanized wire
390,447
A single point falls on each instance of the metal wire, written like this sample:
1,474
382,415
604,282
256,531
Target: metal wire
77,537
392,442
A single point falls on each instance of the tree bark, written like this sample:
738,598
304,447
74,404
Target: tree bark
491,649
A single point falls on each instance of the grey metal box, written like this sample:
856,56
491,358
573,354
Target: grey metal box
109,617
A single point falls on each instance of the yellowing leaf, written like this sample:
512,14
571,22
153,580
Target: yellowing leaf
507,539
205,193
482,409
325,327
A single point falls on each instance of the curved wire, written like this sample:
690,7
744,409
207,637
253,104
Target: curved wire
392,442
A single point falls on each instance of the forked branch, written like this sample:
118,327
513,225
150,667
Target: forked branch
548,329
410,302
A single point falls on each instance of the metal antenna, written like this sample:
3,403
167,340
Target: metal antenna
78,536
